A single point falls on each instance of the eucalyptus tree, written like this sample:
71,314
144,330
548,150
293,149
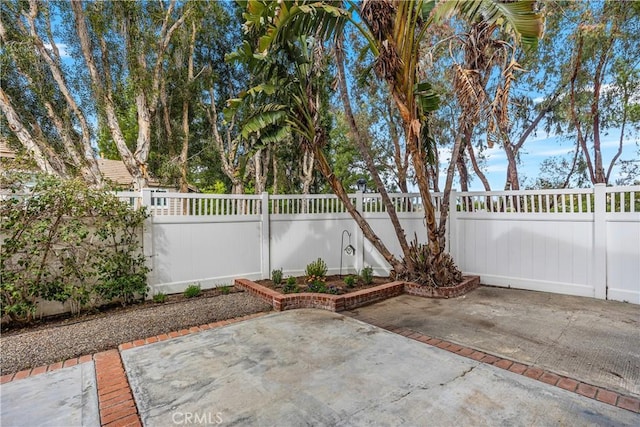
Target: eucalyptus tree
141,32
395,31
604,79
37,97
586,76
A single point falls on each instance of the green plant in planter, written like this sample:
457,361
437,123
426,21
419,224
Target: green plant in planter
350,281
192,291
160,297
276,276
367,275
316,271
333,290
317,286
290,287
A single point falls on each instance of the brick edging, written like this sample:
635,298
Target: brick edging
349,301
116,403
601,394
115,397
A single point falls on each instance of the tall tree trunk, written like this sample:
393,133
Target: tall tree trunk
461,165
184,183
261,160
77,148
227,148
400,157
306,167
476,168
104,95
444,207
366,154
512,168
274,162
339,191
46,159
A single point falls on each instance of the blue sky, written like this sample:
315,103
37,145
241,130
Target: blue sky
534,152
540,147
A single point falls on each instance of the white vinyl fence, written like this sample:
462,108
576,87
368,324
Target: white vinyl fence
582,242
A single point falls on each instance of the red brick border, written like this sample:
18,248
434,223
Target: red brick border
588,390
115,399
281,302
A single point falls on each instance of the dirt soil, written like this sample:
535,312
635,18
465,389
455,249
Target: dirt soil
335,282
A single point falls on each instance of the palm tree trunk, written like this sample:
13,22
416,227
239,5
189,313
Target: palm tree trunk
366,154
339,191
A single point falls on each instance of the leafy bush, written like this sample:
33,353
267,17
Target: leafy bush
276,276
332,289
290,287
350,281
317,286
316,271
367,275
425,272
224,290
69,243
192,291
160,297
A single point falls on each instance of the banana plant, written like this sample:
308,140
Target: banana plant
396,31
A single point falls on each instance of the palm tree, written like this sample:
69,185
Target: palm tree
396,30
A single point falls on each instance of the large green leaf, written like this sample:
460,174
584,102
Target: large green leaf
427,98
520,16
261,120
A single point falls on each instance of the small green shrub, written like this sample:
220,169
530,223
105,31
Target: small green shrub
192,291
333,290
290,287
224,290
367,275
317,286
160,297
276,276
316,271
350,281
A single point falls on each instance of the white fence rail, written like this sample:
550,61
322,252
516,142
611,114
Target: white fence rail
581,242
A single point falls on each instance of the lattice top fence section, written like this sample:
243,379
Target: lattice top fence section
618,200
623,199
542,201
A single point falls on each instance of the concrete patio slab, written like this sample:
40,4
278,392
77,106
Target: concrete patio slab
66,397
311,367
591,340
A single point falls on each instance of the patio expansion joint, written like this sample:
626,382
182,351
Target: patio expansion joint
590,391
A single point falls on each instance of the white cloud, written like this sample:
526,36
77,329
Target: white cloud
62,48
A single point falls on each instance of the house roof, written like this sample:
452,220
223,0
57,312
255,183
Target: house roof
115,171
6,152
112,170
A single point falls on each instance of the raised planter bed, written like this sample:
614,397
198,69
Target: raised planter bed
281,302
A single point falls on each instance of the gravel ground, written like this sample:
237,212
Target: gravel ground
65,340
